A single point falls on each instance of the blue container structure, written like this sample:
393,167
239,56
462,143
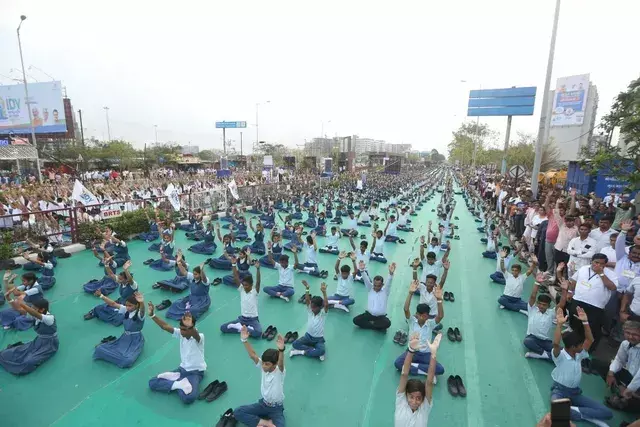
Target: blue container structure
601,184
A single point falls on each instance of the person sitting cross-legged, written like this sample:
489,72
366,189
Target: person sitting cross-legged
378,296
511,298
312,343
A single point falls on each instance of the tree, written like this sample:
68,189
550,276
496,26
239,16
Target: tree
162,152
625,165
436,156
461,146
209,155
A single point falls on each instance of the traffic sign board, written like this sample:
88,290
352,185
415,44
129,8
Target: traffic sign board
517,171
231,125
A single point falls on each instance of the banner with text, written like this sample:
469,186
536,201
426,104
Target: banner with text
45,102
570,101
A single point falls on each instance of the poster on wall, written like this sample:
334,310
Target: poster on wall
570,100
45,103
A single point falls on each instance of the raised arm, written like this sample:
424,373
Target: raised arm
307,294
353,245
106,299
256,264
413,287
341,256
203,276
244,338
532,267
445,264
163,325
294,249
588,336
323,289
625,226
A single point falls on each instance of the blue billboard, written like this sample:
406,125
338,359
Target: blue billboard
231,125
517,101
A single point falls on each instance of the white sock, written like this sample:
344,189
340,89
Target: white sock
236,326
284,298
183,385
321,358
171,376
532,355
308,269
421,372
341,307
295,352
251,328
525,312
501,307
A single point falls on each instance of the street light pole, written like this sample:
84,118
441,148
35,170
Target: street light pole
156,128
255,146
27,101
542,128
106,110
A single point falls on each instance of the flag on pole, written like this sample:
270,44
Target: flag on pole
233,187
172,194
81,194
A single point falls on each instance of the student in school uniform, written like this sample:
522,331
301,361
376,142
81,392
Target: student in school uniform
43,259
124,351
107,284
568,371
312,343
276,250
198,300
21,359
511,297
362,255
310,266
342,299
248,304
498,276
186,379
377,253
422,324
29,292
332,242
540,319
284,290
378,296
127,287
351,225
391,230
269,411
414,398
428,287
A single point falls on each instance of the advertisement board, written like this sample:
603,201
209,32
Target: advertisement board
570,100
45,101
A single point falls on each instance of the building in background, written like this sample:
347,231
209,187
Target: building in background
324,147
571,117
189,149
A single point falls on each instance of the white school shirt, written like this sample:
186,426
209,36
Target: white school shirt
568,371
285,275
365,257
628,357
392,230
315,323
589,286
405,417
379,247
364,216
507,262
539,323
312,256
425,331
345,286
272,385
428,298
427,269
626,270
513,286
377,301
402,219
190,277
191,352
248,302
351,224
373,212
435,249
332,240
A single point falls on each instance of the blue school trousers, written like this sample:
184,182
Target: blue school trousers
312,346
194,377
422,359
344,300
498,277
489,254
250,415
512,303
588,407
286,291
538,345
254,322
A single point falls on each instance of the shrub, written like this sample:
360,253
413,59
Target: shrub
6,246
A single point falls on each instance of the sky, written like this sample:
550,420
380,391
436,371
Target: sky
377,69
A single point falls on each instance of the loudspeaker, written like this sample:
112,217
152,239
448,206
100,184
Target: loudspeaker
328,163
289,161
224,163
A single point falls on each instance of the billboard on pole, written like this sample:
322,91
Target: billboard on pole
570,100
45,102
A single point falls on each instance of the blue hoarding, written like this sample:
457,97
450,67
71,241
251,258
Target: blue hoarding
518,101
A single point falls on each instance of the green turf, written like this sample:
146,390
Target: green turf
355,386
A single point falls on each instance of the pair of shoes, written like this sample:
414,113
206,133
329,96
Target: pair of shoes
156,285
290,337
90,315
227,419
270,333
454,335
324,274
216,281
401,337
163,305
15,344
147,262
456,237
402,241
302,299
448,296
586,367
456,386
213,391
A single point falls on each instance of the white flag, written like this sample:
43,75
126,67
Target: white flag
233,187
81,194
359,184
172,195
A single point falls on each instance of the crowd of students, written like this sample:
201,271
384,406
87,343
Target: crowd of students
578,266
585,254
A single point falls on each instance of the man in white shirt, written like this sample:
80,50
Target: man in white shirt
378,296
186,379
269,411
580,249
312,343
602,233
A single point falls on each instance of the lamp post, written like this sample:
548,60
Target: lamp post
106,111
27,101
156,128
258,104
542,128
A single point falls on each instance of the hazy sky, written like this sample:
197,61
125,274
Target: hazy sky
382,69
